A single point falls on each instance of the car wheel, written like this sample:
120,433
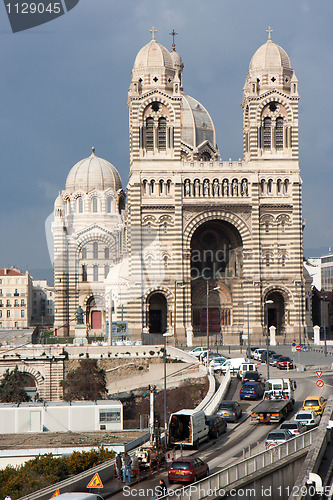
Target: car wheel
196,444
217,434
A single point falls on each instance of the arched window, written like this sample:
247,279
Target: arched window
161,185
80,205
109,204
84,273
95,250
106,270
168,186
205,156
161,135
269,186
106,253
84,253
95,273
150,134
262,186
285,186
144,184
267,139
279,133
94,204
278,186
152,186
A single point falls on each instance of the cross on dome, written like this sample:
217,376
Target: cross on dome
269,31
153,31
173,34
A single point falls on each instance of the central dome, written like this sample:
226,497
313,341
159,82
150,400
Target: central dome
93,173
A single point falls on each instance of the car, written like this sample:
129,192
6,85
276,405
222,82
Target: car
315,403
252,349
187,469
211,355
257,353
273,359
251,390
231,411
197,351
217,425
285,363
217,362
263,356
308,418
294,427
252,377
277,437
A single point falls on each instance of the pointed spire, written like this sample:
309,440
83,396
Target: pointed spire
269,31
93,151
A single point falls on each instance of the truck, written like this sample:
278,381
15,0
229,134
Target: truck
187,428
278,401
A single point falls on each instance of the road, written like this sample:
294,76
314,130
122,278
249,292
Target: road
233,445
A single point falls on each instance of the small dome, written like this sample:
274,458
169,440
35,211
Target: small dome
153,55
176,59
59,203
270,56
93,173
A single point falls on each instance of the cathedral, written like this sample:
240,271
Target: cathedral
196,246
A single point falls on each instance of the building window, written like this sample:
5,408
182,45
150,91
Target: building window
80,205
109,205
162,134
150,134
95,271
267,133
106,253
22,303
22,313
106,416
8,314
84,253
94,204
8,303
106,270
84,273
95,250
279,133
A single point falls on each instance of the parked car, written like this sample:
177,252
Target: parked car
187,469
252,349
308,418
285,363
277,437
246,367
257,353
232,364
211,355
217,362
231,411
197,351
217,425
263,356
251,390
294,427
252,377
274,359
315,403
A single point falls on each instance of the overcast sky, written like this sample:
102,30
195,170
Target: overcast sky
64,88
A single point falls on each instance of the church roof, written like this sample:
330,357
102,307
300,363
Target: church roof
153,55
270,56
197,125
93,173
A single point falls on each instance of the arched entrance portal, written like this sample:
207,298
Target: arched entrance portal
276,312
216,259
29,385
96,313
157,310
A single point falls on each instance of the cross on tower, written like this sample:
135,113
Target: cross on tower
173,34
269,31
153,31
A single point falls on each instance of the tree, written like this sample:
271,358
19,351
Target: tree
12,387
87,382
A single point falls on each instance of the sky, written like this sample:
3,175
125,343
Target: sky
64,88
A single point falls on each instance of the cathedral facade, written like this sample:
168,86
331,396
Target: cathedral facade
205,246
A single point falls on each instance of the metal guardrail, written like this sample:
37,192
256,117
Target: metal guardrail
211,406
225,477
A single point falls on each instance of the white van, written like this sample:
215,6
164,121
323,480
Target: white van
187,428
232,364
246,367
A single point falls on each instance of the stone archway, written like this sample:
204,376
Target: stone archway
157,313
276,312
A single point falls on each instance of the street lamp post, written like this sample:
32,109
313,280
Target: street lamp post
165,335
248,330
208,291
109,337
324,320
267,334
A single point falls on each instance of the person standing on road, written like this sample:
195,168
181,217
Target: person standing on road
119,465
127,467
163,489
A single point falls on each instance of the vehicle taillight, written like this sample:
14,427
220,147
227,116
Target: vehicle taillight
312,422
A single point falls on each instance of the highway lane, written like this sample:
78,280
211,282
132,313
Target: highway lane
230,447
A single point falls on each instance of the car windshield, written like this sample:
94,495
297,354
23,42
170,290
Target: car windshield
289,426
249,387
283,358
311,402
227,405
276,435
180,465
304,416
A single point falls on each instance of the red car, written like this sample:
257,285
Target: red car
285,363
187,469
